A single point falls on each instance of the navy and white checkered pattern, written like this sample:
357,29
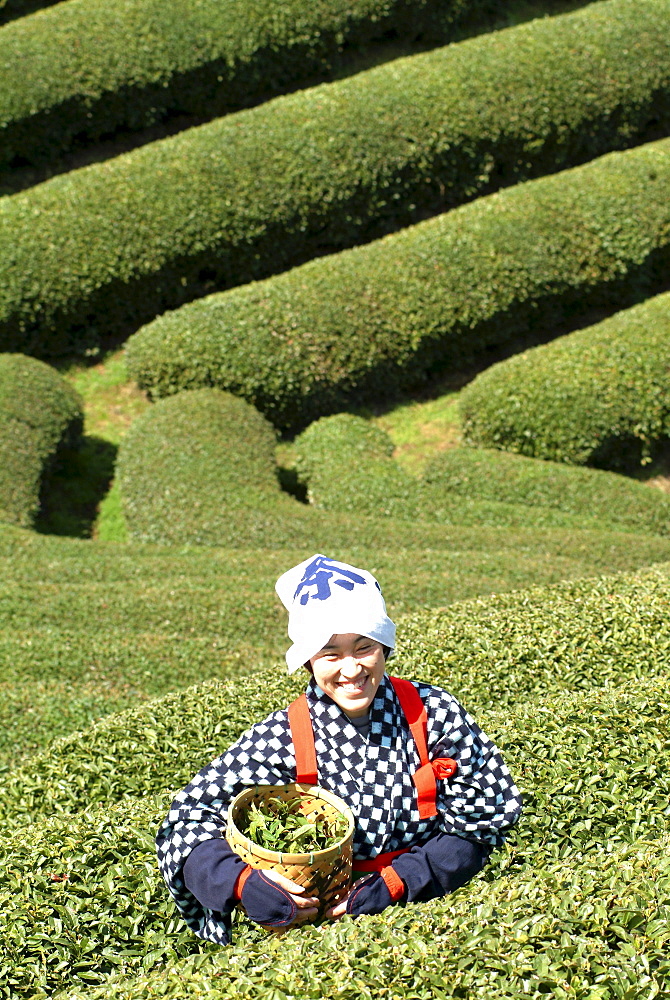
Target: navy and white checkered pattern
373,776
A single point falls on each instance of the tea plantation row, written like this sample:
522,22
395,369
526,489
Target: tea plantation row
123,240
494,653
90,629
504,476
346,465
598,396
361,325
178,485
81,897
19,8
40,417
144,60
590,930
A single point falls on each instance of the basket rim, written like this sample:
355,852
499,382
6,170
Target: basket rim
283,857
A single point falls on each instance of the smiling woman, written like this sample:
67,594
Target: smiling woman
349,670
429,792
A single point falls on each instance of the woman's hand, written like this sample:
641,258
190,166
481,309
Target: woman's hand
274,901
308,906
369,894
339,910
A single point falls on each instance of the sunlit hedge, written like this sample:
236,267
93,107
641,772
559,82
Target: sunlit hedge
562,931
487,474
599,396
10,9
346,465
199,468
358,326
82,898
494,653
122,241
90,67
190,462
89,629
40,416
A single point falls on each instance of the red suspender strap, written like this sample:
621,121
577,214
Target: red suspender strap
302,734
444,767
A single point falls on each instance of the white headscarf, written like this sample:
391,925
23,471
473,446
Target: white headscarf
324,597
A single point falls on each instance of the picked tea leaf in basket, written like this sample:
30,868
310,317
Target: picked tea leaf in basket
303,832
279,824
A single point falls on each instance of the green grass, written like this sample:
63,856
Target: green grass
90,628
111,400
421,429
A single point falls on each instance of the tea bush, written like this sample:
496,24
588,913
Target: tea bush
495,653
186,463
359,326
594,929
144,60
10,9
345,463
82,899
494,475
598,396
193,470
89,629
259,191
40,416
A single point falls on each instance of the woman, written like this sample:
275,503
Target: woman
428,789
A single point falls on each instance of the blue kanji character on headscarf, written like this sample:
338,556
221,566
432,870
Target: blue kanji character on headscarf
319,573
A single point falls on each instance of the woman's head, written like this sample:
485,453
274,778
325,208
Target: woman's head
349,668
326,598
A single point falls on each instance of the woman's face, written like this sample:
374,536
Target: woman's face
349,669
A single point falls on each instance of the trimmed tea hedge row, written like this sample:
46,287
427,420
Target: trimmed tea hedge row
10,9
496,652
94,903
199,468
361,325
345,463
599,396
494,475
190,462
88,629
40,416
594,929
121,241
143,60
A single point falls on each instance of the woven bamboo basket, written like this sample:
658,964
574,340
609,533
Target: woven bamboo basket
327,873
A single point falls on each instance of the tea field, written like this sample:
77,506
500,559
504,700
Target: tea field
384,279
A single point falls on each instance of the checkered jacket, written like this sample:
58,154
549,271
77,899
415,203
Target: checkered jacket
373,776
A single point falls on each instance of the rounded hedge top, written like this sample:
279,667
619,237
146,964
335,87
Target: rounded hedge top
189,461
488,474
40,413
35,393
600,396
145,59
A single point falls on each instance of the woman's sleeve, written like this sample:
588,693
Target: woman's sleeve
262,756
441,865
481,802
